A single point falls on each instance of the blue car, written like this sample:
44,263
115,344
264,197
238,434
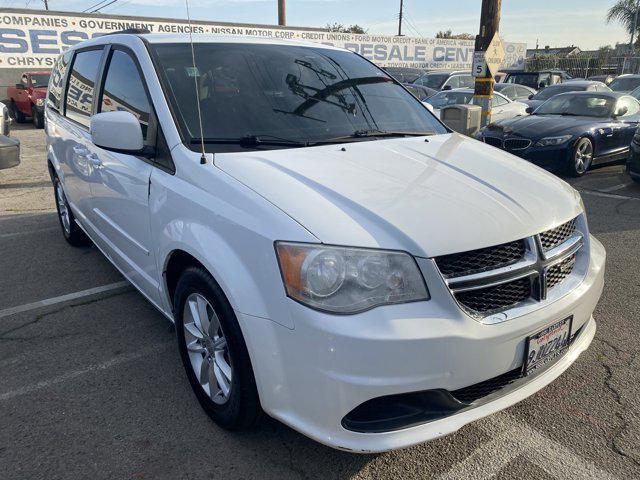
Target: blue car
571,132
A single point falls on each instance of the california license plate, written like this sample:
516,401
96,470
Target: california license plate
547,345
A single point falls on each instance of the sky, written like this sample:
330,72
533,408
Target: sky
548,22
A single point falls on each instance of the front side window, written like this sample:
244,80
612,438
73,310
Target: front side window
24,80
124,89
433,80
498,101
81,83
450,97
528,79
39,80
54,93
453,82
283,93
467,81
625,84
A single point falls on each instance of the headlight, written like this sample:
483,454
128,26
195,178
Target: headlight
348,280
553,141
39,101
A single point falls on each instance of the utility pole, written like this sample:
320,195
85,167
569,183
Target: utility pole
46,5
282,13
489,24
400,20
635,27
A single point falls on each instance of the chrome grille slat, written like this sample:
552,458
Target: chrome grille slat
556,236
540,263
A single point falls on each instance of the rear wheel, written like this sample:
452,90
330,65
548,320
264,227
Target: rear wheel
70,229
213,351
580,158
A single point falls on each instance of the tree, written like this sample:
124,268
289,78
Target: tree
623,12
449,34
339,27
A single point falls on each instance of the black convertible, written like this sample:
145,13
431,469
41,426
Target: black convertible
571,131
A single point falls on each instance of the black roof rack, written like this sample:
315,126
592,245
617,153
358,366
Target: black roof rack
131,31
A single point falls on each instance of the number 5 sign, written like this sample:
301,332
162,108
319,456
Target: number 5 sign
479,68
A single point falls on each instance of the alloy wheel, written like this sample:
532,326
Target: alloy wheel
207,348
583,156
63,208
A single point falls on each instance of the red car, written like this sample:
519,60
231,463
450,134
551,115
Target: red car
27,97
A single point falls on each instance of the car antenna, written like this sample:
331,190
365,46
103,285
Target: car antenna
203,158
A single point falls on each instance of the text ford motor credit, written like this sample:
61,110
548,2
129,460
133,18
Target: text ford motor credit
330,253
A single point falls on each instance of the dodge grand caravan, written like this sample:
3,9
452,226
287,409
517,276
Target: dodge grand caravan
330,253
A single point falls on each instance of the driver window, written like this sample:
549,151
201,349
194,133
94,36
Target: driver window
453,82
544,79
24,80
497,101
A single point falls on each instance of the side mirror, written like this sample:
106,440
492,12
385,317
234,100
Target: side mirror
9,152
447,87
530,96
541,85
620,112
529,110
117,131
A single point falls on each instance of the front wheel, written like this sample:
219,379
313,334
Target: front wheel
38,118
213,351
18,115
580,158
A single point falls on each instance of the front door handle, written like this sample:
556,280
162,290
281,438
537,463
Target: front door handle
95,160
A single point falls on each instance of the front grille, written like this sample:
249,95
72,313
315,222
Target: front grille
493,141
516,143
481,260
560,271
475,392
496,297
554,237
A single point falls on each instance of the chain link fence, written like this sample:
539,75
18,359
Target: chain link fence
584,67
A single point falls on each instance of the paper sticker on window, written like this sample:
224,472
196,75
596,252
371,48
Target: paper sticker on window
193,71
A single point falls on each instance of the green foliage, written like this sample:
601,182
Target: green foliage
339,27
450,34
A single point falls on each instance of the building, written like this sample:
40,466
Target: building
547,51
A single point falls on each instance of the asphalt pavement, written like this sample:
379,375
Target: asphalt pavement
91,385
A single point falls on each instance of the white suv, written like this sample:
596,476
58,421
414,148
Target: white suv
335,257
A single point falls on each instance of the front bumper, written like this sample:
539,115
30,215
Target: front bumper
312,376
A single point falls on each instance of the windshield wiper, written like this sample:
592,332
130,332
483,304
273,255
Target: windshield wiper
375,133
252,141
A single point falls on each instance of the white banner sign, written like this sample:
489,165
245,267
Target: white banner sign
33,39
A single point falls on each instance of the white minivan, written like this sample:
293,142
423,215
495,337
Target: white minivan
331,254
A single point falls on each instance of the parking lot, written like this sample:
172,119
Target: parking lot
92,385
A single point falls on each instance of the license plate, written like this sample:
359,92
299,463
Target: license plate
544,347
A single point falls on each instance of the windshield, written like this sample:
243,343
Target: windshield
553,90
284,93
578,105
450,97
625,84
432,80
40,79
528,79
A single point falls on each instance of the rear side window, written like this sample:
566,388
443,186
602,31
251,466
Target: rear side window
81,84
124,89
57,78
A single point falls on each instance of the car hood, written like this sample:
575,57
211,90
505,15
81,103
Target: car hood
444,195
535,127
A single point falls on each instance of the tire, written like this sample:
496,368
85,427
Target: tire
580,158
70,229
38,118
18,115
218,354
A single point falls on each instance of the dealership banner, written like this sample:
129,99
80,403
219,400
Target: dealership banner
31,39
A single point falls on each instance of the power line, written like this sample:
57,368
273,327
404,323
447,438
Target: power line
94,6
103,6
